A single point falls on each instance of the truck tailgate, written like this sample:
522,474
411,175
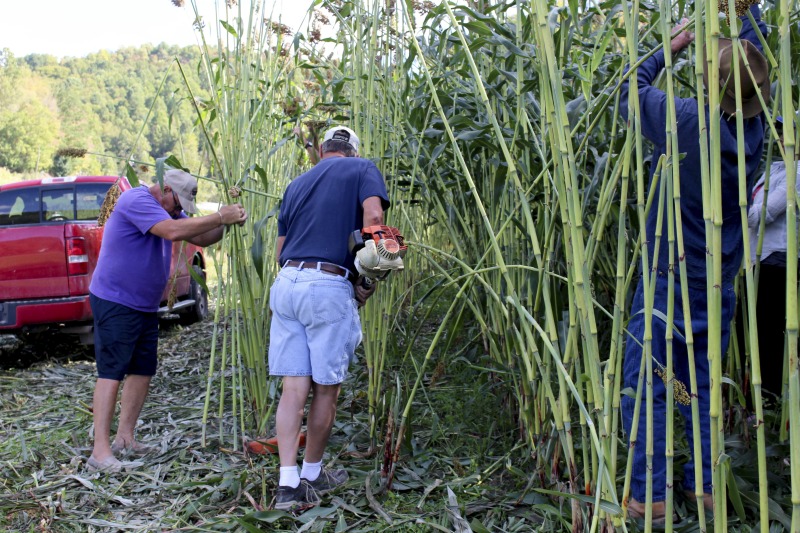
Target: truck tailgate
33,262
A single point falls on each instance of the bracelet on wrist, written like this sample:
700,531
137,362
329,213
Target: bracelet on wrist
221,222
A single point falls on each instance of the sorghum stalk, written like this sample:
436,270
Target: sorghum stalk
790,160
672,178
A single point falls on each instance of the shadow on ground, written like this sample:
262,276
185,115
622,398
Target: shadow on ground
24,351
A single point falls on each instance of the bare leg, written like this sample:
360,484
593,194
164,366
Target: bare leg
289,416
134,392
321,415
105,399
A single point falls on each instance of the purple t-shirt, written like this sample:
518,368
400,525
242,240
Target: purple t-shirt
133,267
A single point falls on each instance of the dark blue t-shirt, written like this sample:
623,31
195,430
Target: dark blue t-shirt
653,115
322,207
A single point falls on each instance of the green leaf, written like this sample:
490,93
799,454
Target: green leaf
605,505
575,110
661,316
230,29
278,146
249,527
160,168
257,251
316,512
600,51
573,8
341,524
513,48
410,9
478,27
438,151
133,179
478,527
433,526
262,174
174,162
267,516
199,279
514,470
469,135
739,393
733,492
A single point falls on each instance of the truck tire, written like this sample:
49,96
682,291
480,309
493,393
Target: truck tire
199,311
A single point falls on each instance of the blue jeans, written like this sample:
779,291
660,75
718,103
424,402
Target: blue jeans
698,307
315,327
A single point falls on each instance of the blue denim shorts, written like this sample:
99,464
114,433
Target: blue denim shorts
315,327
125,340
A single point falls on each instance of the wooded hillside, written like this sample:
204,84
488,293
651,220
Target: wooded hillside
99,103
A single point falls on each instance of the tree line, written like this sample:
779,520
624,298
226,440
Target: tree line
129,104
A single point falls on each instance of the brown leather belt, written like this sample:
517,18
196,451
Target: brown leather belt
328,268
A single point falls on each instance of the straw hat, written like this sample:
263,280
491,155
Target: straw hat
751,106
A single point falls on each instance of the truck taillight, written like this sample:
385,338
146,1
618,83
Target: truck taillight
77,258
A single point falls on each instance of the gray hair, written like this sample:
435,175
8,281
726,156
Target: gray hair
333,145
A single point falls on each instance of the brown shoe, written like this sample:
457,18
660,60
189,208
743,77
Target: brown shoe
637,510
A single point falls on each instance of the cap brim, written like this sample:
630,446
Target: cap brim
188,205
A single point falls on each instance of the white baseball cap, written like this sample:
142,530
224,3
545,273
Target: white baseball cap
184,185
344,134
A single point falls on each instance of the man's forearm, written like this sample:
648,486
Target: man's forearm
187,229
208,238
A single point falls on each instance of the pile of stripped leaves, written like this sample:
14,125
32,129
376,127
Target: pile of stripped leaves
451,478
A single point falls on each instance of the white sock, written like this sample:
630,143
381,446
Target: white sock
289,477
311,471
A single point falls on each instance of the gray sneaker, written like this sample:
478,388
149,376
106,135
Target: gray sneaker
296,498
328,480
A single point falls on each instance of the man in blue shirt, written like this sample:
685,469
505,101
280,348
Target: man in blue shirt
315,327
653,114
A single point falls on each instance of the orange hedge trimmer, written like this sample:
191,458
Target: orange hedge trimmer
378,250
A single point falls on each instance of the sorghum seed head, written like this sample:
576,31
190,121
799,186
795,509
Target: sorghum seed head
71,152
678,387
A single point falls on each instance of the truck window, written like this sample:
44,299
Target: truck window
88,199
19,206
58,204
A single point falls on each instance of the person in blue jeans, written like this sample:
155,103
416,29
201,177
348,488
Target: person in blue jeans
653,115
314,300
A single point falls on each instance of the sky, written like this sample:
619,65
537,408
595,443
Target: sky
75,28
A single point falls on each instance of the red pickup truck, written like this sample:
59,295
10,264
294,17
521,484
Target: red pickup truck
49,244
